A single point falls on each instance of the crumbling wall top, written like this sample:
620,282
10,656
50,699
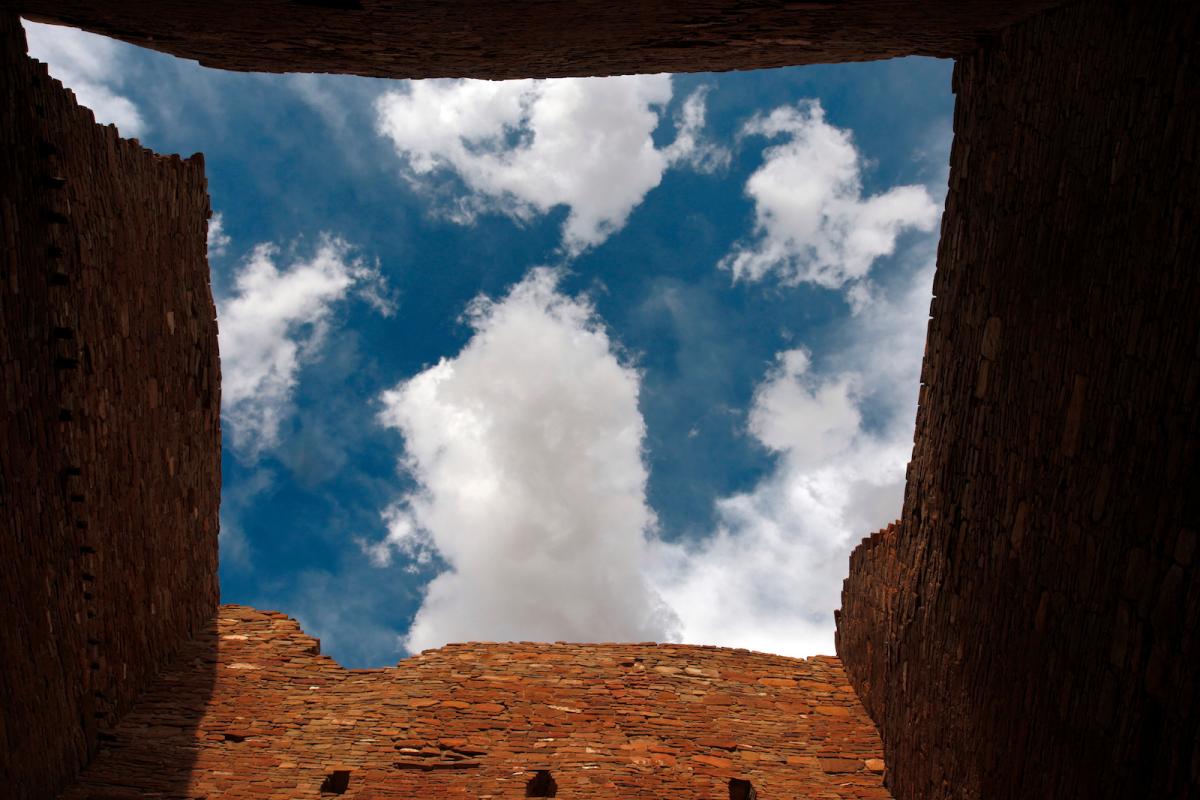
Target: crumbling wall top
481,720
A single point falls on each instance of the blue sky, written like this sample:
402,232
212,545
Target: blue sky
603,359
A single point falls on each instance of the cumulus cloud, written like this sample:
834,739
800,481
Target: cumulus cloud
530,506
524,147
526,449
812,222
276,319
770,576
91,67
530,503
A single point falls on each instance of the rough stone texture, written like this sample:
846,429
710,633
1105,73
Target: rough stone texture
109,440
1027,630
479,720
865,621
537,38
1031,627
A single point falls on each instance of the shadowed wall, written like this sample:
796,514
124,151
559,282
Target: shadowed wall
1032,626
1027,630
498,39
109,436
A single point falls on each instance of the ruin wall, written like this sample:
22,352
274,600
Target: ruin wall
877,576
1028,629
497,39
109,432
606,721
1031,628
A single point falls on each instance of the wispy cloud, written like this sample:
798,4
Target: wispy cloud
812,222
691,147
90,66
524,147
218,240
526,450
236,549
275,320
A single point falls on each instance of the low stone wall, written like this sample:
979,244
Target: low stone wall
109,431
606,721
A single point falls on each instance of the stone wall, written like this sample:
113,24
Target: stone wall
1032,627
537,38
1028,629
608,722
865,621
109,433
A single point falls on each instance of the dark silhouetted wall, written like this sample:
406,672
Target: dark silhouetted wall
109,432
1032,627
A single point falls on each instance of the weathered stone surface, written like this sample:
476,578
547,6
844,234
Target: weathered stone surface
537,38
109,440
479,720
1030,628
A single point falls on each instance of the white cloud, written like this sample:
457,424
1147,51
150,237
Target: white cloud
276,319
690,146
91,67
218,240
770,576
526,447
527,451
523,147
812,223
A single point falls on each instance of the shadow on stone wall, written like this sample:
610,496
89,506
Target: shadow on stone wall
152,752
109,422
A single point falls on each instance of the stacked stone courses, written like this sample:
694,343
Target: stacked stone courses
479,720
110,448
1027,629
1031,628
498,39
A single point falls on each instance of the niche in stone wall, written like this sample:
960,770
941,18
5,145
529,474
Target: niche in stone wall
542,784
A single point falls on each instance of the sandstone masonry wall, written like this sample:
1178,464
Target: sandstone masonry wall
537,38
1028,629
479,720
865,622
109,437
1032,627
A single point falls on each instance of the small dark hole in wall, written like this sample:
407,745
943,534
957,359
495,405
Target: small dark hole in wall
541,785
740,789
336,782
234,737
